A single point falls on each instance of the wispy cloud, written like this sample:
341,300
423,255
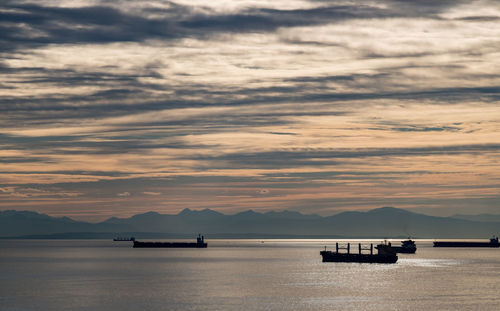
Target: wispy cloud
151,193
312,105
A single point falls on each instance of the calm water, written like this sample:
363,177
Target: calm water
240,275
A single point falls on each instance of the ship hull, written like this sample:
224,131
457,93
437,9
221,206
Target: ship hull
329,256
466,244
404,250
169,245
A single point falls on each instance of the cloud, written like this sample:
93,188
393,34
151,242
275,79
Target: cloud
151,193
332,157
29,24
315,101
56,25
426,129
27,193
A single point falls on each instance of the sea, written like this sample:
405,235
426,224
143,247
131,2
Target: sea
241,275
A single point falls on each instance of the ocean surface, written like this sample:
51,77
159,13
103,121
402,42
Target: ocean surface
240,275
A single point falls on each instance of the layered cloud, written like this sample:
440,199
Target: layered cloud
316,106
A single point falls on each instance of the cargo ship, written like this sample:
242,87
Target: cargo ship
385,254
492,243
407,247
200,243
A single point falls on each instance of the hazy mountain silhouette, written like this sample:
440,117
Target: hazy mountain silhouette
16,223
385,222
479,217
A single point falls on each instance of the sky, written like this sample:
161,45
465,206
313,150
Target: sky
114,108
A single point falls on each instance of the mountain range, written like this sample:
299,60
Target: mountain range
385,222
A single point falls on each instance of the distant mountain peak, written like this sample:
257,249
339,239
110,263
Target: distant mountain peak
287,214
210,211
205,212
185,211
385,208
147,214
248,212
281,212
388,209
27,214
15,212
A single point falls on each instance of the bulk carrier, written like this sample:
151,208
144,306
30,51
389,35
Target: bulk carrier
492,243
385,254
200,243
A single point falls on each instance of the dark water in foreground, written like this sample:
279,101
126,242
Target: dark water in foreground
240,275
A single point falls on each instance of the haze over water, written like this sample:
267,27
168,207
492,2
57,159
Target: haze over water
240,275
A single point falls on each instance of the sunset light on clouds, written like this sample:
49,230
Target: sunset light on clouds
113,108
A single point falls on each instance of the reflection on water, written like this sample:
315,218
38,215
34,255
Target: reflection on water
428,262
240,275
